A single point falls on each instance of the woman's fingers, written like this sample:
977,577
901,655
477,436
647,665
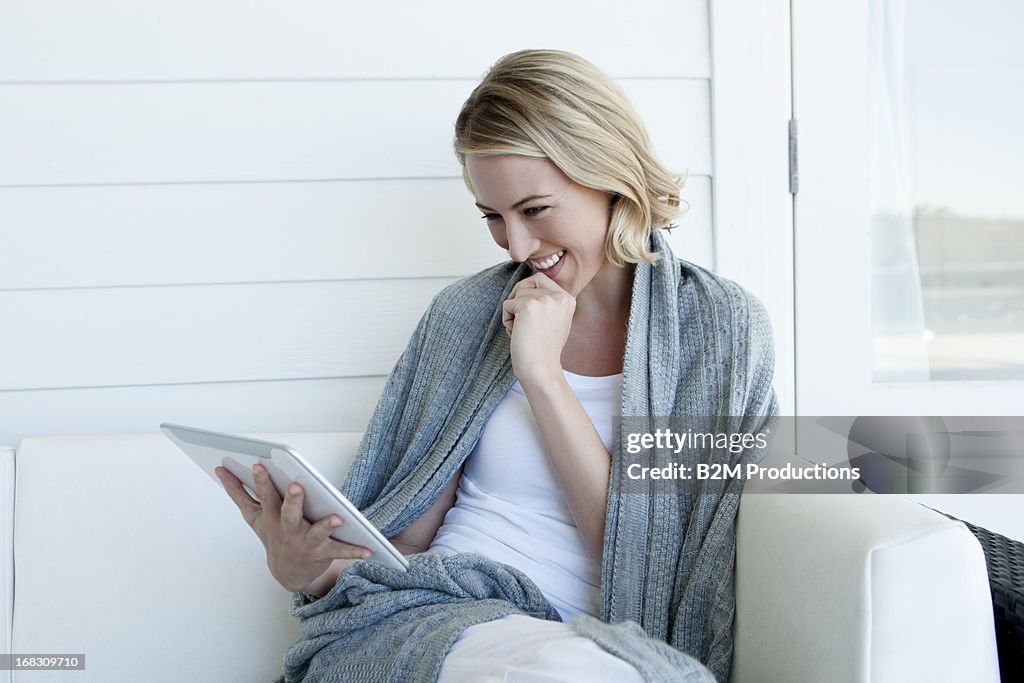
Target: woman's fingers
536,286
238,494
336,550
525,284
511,306
291,509
319,536
535,281
297,552
508,315
542,281
292,521
270,499
322,530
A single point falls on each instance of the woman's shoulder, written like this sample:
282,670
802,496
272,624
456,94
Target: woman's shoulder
732,325
733,312
707,288
698,286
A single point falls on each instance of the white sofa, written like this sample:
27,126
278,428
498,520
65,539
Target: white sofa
126,552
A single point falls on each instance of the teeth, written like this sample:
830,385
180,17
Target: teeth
548,262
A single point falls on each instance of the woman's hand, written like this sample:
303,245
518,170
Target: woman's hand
298,553
537,316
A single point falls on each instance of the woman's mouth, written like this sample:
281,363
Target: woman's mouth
547,264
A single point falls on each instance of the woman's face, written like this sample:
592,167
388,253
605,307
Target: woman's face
541,217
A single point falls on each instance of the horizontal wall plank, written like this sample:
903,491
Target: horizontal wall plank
343,404
189,39
163,335
210,233
217,132
249,232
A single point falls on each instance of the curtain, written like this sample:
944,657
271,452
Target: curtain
898,331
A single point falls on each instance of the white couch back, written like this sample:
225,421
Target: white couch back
153,563
126,552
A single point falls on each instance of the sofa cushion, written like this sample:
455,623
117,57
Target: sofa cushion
868,588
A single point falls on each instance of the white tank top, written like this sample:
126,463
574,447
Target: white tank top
511,508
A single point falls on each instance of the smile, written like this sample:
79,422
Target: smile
547,263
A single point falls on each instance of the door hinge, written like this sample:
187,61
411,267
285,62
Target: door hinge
794,176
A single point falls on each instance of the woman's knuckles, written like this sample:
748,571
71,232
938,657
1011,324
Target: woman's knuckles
550,301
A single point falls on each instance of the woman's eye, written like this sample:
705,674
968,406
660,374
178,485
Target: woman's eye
534,210
490,217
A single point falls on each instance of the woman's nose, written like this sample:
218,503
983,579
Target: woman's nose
521,244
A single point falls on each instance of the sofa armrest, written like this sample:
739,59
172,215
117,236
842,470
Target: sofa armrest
859,588
128,553
7,552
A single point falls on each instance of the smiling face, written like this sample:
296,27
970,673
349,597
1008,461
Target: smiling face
543,218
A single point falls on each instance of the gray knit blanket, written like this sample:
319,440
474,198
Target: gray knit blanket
379,624
697,345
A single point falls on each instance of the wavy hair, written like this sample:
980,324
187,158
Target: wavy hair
556,105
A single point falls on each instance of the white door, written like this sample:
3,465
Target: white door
909,219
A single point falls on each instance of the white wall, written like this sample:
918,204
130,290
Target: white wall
232,214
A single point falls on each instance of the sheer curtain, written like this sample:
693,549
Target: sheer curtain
898,331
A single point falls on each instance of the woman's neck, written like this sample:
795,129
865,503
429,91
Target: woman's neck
608,295
597,340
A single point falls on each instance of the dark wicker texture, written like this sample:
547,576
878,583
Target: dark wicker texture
1005,559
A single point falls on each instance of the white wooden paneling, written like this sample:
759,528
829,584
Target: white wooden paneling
753,207
341,404
244,232
232,214
247,232
208,132
163,335
233,39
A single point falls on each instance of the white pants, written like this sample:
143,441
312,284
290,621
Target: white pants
522,649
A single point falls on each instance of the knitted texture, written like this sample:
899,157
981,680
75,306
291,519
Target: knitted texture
380,624
657,661
697,345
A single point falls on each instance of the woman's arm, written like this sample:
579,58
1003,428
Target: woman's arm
417,537
579,458
538,316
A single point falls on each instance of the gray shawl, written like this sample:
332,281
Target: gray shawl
697,345
379,624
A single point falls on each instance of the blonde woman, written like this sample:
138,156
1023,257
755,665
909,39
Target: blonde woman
494,459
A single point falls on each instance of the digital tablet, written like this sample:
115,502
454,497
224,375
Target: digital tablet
238,454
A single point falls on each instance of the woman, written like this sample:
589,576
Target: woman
494,440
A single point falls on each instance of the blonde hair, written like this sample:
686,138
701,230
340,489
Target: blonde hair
556,105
